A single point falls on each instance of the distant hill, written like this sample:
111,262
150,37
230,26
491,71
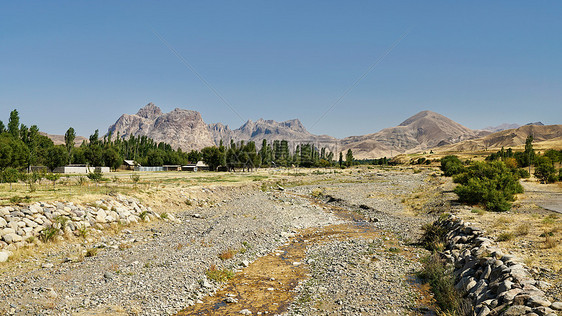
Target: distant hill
535,123
59,139
507,138
422,131
501,127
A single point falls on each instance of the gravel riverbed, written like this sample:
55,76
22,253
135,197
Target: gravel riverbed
159,268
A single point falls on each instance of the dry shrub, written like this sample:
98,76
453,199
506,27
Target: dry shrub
522,230
502,221
505,236
550,242
229,254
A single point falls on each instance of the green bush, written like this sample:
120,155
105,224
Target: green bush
491,184
451,165
544,170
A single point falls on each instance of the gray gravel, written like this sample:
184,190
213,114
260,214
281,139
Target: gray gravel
159,268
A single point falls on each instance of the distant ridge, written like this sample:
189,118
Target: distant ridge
501,127
423,131
59,139
291,130
507,138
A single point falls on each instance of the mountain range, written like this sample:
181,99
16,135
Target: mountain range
186,129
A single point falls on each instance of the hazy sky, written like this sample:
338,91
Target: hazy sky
84,63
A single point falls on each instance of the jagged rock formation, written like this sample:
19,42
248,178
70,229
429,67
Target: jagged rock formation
420,132
291,130
180,128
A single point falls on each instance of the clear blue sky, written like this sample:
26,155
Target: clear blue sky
84,63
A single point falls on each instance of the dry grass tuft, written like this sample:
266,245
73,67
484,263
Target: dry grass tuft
522,230
505,236
229,254
550,242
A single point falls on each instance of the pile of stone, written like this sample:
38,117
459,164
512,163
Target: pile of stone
21,224
496,283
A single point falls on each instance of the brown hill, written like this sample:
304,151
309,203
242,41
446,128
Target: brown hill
180,128
508,138
420,132
59,139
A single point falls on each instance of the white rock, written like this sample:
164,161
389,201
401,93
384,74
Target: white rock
3,222
12,238
35,208
230,300
6,231
245,312
5,211
30,223
4,255
245,263
101,217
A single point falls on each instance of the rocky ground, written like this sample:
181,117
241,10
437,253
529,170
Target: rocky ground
160,268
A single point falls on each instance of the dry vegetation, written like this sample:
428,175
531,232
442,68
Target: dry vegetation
529,232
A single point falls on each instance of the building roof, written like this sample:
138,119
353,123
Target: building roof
129,162
201,164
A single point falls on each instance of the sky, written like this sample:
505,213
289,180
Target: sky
82,64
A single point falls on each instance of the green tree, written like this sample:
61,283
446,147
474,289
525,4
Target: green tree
212,157
5,154
341,159
544,170
349,158
112,158
491,184
451,165
95,176
194,156
94,154
53,177
14,124
57,157
154,158
526,158
69,137
10,175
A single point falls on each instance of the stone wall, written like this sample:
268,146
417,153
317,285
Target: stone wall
20,223
496,283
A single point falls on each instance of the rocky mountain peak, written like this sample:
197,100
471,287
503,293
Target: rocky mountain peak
180,128
149,111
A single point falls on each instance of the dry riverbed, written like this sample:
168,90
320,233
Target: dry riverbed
338,243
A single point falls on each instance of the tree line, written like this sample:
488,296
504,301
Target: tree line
544,164
246,156
22,147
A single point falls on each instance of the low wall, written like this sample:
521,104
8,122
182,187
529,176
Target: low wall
20,223
497,283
